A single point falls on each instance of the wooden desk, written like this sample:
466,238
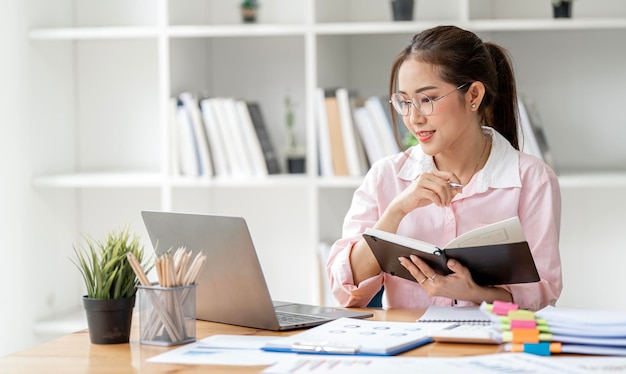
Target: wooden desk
74,353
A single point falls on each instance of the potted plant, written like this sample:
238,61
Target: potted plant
110,282
296,159
562,8
249,9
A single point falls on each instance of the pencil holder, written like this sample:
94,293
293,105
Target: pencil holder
167,315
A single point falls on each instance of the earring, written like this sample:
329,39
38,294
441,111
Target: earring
473,105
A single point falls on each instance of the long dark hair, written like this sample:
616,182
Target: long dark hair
461,56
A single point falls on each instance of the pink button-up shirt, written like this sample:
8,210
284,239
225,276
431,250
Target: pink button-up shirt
510,184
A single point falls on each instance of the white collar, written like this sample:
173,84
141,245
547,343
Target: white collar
500,171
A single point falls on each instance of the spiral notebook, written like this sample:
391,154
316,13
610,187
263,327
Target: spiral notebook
459,314
471,325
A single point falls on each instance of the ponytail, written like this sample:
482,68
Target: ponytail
504,110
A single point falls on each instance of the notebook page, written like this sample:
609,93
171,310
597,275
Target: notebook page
507,231
461,314
471,325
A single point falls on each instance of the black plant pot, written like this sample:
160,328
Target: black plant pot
402,9
563,10
109,320
296,164
248,15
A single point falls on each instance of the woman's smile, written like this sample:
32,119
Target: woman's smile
424,136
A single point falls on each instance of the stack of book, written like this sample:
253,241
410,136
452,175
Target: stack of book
559,330
352,132
531,135
220,136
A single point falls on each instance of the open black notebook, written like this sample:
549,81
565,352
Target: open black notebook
494,254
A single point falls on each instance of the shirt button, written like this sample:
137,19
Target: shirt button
450,217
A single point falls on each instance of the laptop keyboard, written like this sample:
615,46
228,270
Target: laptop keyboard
285,318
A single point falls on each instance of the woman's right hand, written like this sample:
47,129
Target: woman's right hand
429,188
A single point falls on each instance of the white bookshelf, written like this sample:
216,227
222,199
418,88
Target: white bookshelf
106,71
94,33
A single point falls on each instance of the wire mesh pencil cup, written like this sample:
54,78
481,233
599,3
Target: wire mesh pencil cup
167,315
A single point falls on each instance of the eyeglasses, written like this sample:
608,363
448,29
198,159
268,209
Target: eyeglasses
424,104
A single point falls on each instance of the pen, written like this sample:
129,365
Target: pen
455,185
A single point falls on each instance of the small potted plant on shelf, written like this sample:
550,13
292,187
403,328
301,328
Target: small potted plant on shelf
296,159
562,8
111,284
249,10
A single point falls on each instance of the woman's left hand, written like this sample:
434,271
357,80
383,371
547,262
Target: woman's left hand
458,285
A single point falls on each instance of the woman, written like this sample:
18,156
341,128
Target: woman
456,94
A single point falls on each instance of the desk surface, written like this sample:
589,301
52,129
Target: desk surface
74,352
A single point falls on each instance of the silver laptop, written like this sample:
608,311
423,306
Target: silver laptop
231,288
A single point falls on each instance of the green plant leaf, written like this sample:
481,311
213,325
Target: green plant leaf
104,266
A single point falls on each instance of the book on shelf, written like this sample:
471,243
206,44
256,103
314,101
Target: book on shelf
191,105
533,138
218,142
323,136
382,124
238,136
188,155
351,336
269,152
335,135
368,134
349,136
235,160
174,137
361,152
251,139
364,160
494,254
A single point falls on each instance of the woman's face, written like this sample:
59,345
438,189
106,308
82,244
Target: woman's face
445,128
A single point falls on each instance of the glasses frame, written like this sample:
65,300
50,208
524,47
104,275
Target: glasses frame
418,106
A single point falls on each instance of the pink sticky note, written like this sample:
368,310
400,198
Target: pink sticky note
502,308
523,324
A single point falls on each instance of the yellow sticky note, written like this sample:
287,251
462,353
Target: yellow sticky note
521,314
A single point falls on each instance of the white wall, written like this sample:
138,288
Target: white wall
14,177
30,269
592,252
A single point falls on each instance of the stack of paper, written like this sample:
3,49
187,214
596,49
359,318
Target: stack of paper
559,330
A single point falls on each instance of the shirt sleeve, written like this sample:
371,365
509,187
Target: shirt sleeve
363,212
540,215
